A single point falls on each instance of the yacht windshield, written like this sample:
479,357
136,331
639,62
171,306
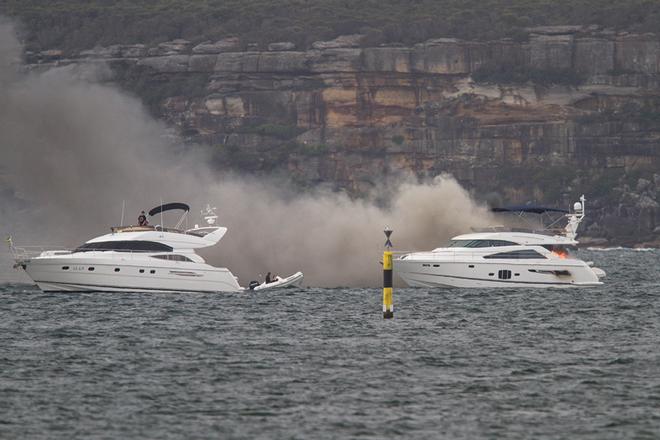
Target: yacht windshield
480,243
459,243
125,246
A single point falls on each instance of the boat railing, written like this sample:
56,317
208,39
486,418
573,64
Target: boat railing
27,252
132,228
544,231
445,252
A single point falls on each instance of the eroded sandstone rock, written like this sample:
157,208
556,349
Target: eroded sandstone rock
281,46
341,41
339,114
173,47
231,44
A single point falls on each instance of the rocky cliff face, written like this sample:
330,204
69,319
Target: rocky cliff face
572,110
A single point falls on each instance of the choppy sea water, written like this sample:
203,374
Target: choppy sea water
323,364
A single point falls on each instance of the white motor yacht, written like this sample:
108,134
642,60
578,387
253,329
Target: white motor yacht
136,259
501,257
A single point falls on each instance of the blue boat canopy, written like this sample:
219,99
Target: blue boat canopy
528,208
168,207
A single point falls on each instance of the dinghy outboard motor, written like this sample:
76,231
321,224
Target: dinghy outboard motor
253,284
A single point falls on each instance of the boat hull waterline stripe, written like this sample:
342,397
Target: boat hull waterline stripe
94,286
502,281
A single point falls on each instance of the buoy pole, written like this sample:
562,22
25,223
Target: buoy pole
388,305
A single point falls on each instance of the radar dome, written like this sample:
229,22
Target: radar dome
577,206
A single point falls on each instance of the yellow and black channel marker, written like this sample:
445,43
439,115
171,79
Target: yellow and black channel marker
388,306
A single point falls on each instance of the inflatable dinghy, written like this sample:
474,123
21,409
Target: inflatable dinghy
294,280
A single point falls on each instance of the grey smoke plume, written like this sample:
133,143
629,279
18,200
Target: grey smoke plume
73,149
333,239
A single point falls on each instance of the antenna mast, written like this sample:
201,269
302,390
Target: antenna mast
575,218
208,213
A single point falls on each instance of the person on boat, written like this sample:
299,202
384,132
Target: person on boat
142,220
272,279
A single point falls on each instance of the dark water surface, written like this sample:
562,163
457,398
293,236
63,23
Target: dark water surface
322,363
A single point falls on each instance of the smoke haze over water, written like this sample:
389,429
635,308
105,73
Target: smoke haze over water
73,149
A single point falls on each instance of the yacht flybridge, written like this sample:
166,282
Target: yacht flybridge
141,258
505,257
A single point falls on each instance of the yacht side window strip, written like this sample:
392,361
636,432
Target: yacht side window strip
502,243
490,243
125,246
518,255
172,257
480,243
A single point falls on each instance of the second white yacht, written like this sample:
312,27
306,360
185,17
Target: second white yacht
135,259
504,258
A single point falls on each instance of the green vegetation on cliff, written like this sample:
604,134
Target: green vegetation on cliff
82,24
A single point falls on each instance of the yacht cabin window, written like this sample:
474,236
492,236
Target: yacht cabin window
125,246
517,255
480,243
172,257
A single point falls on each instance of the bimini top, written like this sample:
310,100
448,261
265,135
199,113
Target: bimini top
168,207
528,208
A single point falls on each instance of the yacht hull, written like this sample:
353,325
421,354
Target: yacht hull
480,274
75,275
